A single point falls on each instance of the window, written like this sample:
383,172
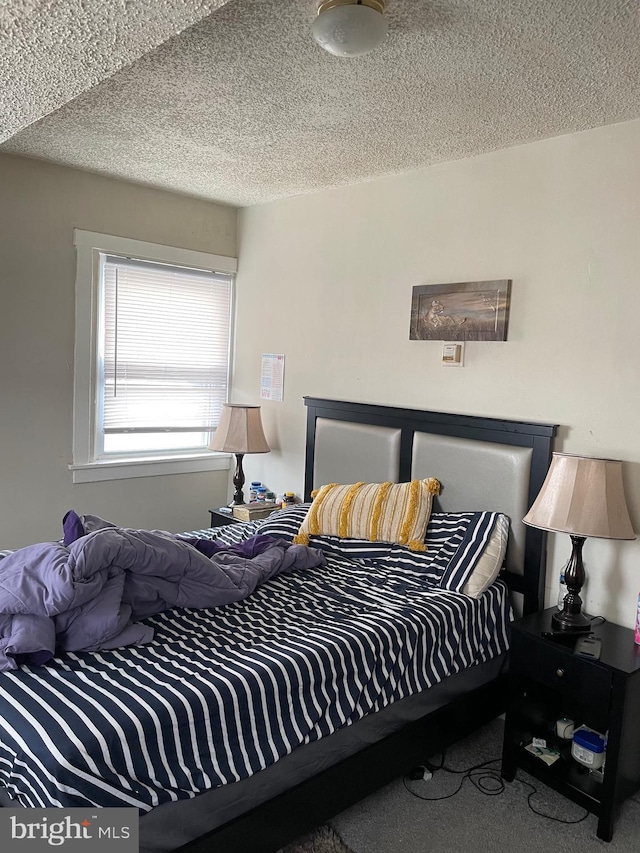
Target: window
153,340
163,356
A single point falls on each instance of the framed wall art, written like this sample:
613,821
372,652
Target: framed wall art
466,311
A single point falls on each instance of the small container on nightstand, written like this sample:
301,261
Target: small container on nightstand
221,516
588,747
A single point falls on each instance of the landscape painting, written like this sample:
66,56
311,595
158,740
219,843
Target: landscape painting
466,311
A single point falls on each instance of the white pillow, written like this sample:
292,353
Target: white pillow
490,563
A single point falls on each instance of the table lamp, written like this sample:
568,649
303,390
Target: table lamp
239,431
584,497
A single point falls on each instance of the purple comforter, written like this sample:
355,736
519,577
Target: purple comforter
88,594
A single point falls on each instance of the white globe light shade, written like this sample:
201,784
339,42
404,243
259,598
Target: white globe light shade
349,30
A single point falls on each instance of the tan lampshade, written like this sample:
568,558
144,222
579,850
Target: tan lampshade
582,496
240,430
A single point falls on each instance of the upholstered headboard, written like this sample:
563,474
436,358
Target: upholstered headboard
482,464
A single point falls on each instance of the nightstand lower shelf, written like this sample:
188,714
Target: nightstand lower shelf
566,777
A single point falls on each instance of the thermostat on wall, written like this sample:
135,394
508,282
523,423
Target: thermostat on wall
453,354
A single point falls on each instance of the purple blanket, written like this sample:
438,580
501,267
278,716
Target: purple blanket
87,595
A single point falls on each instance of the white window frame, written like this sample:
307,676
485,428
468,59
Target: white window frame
86,468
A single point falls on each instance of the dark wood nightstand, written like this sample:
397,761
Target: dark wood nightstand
219,517
548,681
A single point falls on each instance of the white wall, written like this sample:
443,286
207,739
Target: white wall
327,279
40,205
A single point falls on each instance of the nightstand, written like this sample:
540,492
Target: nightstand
548,681
219,517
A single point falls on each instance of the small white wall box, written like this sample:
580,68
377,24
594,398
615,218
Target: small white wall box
453,354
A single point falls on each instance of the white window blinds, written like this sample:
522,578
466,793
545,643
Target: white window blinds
165,353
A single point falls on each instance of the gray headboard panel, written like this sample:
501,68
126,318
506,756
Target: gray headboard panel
482,463
349,453
478,476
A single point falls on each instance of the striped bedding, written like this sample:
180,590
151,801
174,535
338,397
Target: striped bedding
220,694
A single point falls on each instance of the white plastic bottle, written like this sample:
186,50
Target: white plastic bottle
562,590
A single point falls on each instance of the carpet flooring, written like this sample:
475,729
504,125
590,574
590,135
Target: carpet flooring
501,821
323,840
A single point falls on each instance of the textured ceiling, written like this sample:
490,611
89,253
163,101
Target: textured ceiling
243,107
52,50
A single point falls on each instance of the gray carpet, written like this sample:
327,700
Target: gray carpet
323,840
393,820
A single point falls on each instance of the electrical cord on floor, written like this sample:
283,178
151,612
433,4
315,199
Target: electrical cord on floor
484,778
534,791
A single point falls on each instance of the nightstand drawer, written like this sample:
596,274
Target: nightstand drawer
559,668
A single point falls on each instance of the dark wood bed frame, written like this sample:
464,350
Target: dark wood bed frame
280,820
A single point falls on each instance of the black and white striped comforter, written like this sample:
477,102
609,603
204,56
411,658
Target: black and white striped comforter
221,694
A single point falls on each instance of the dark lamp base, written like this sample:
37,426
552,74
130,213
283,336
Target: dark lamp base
571,619
571,623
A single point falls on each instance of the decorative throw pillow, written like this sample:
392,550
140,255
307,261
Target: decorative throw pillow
284,524
479,543
379,512
488,566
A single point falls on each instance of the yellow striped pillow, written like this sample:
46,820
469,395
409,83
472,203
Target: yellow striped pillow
379,512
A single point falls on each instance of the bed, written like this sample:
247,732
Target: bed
380,655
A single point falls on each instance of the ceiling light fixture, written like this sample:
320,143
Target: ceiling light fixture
350,27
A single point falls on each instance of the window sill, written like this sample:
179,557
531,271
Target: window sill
97,472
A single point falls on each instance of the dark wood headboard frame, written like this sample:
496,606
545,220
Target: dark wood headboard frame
537,436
